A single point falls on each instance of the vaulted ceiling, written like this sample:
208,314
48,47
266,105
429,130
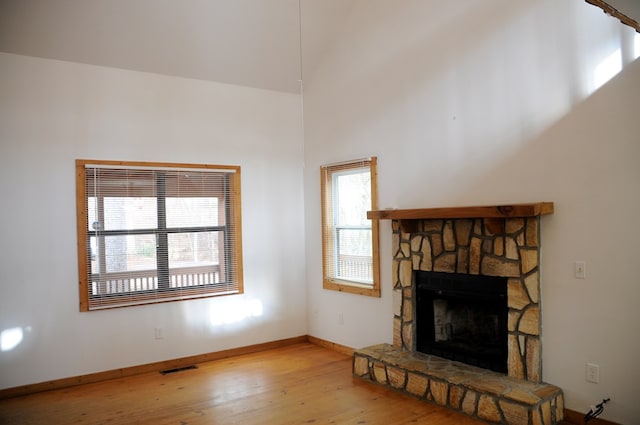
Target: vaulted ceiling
246,42
253,43
628,11
630,8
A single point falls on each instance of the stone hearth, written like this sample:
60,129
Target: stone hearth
477,392
503,242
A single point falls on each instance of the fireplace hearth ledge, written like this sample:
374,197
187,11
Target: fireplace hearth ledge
481,393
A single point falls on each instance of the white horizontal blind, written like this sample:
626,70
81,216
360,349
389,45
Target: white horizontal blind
158,232
347,233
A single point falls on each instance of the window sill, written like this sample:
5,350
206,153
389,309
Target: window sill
352,287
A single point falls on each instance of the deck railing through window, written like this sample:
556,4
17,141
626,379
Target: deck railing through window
355,267
147,280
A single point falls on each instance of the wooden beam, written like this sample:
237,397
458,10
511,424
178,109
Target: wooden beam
487,211
610,10
493,214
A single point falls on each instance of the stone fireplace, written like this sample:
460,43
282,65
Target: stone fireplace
476,247
501,242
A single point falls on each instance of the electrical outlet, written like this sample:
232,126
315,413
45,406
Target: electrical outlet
593,373
158,333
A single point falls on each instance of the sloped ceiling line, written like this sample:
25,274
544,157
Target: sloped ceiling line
610,10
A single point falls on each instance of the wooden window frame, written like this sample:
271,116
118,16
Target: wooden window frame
334,283
199,285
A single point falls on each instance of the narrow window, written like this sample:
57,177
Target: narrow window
349,239
156,232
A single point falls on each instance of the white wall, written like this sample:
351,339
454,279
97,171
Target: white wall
427,87
54,112
487,102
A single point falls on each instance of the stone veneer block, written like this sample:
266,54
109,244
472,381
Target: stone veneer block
463,231
463,260
445,263
360,366
488,395
498,246
380,373
397,332
439,391
456,393
395,265
532,283
511,248
407,334
405,248
469,403
406,273
518,297
397,303
532,232
487,409
514,358
397,377
436,244
514,413
475,251
426,262
533,359
528,260
407,312
512,320
513,225
417,384
416,243
546,412
497,266
537,418
559,407
431,226
529,322
448,238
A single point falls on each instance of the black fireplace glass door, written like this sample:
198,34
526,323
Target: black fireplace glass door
463,318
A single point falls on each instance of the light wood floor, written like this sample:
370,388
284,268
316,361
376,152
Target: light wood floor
298,384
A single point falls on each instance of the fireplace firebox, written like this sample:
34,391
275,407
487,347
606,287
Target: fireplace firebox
462,317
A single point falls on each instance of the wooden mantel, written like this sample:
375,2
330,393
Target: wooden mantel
408,217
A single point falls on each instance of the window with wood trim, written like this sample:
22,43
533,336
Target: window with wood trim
350,240
156,232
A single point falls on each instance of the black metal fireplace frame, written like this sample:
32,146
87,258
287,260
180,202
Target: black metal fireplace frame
477,291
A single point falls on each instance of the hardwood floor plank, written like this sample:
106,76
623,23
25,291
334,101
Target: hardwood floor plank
297,384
